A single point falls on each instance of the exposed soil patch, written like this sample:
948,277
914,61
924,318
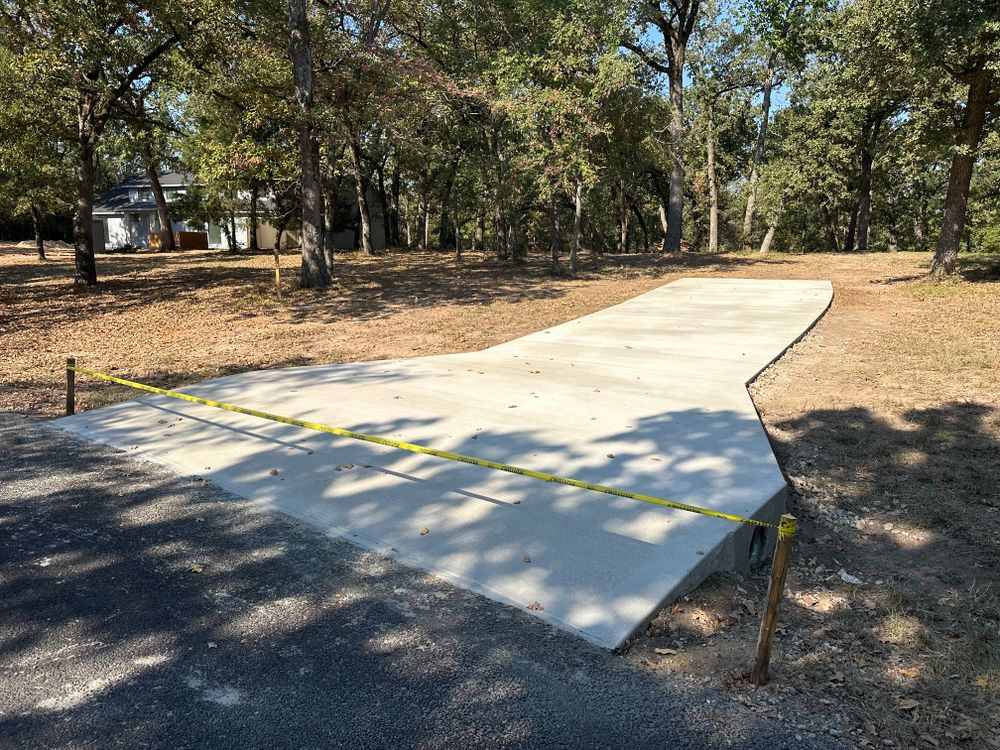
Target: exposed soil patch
884,418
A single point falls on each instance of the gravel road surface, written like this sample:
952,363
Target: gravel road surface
142,609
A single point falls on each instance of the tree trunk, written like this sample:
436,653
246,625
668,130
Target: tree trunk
36,225
518,250
314,273
424,223
254,221
553,233
893,235
852,230
865,201
445,225
458,240
228,227
361,192
394,186
758,152
383,197
957,200
83,239
277,263
477,242
574,245
918,225
596,243
167,243
832,239
425,229
331,202
622,219
663,225
869,138
772,227
713,189
502,238
642,225
675,204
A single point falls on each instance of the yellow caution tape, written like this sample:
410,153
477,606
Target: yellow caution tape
787,526
413,448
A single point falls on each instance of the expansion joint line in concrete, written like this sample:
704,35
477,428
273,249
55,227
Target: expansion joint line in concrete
784,529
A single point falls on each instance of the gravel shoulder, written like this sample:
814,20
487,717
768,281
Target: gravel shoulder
148,610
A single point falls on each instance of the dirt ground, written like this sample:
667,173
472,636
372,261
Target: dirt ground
885,419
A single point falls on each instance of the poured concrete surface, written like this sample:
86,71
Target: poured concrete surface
648,396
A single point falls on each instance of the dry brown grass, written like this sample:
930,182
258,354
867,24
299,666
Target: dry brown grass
885,419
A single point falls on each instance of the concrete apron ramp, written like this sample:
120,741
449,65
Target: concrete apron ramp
647,396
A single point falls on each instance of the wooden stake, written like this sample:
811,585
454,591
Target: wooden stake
70,386
779,570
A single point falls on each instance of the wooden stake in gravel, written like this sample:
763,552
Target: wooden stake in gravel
779,570
70,386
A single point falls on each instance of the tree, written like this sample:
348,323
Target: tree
315,274
784,31
961,38
89,62
33,159
675,24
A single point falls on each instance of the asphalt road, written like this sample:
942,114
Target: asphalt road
140,609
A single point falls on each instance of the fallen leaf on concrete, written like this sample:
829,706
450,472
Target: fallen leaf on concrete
535,607
424,531
981,680
526,559
665,651
273,472
213,644
611,455
196,568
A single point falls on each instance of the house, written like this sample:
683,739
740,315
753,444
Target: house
126,215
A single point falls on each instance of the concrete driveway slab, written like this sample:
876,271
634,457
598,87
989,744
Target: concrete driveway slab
649,395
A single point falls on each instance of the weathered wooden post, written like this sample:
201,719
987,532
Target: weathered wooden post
779,570
70,386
